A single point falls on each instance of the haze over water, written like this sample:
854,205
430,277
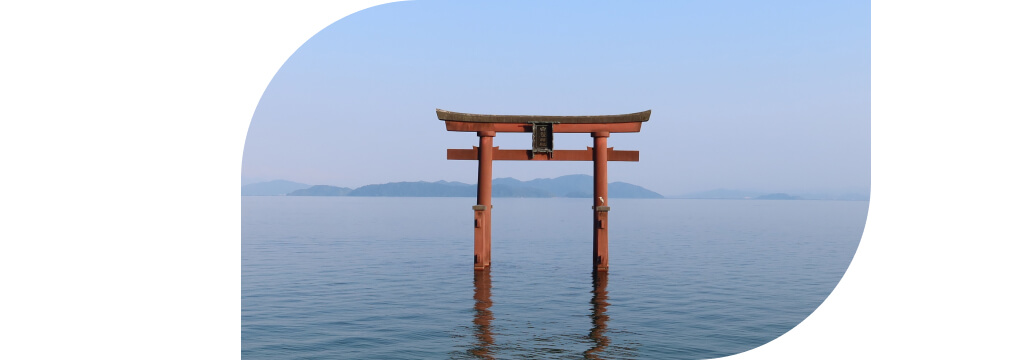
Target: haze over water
392,278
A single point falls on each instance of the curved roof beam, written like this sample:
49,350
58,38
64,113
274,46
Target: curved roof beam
641,116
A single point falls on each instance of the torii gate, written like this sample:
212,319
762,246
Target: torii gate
543,128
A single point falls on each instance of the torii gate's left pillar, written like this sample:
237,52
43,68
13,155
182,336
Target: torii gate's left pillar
483,206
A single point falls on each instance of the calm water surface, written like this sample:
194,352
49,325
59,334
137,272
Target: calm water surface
392,278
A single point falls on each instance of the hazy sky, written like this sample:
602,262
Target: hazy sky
771,96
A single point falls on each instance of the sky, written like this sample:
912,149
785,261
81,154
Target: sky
766,96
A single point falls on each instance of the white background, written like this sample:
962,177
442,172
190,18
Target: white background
121,134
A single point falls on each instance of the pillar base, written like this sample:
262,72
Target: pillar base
481,243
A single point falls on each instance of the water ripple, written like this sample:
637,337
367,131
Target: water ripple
329,278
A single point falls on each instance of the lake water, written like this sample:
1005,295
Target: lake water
392,278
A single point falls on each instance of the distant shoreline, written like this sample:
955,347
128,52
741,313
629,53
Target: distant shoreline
568,186
508,197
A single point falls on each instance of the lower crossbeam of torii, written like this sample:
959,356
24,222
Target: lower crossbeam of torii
543,128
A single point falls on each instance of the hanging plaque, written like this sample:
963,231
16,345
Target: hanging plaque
543,138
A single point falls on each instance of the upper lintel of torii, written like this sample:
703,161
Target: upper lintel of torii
641,116
457,121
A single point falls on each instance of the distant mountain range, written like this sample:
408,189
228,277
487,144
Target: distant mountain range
270,188
720,194
573,186
568,186
577,186
778,196
321,190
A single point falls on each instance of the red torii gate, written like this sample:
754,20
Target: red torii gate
543,128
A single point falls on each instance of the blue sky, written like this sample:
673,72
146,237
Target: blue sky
771,96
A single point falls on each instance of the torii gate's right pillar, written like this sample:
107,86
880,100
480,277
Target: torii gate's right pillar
600,201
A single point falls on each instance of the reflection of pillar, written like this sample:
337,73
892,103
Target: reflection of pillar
600,200
481,321
597,316
483,206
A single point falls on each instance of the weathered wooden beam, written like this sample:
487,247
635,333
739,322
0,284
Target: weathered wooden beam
558,155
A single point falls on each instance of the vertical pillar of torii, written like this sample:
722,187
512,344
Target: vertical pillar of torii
481,236
543,128
600,201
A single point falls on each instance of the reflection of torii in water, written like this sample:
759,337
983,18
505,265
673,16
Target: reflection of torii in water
483,316
543,128
597,316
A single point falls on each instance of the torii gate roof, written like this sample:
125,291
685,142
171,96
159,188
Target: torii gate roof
641,116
